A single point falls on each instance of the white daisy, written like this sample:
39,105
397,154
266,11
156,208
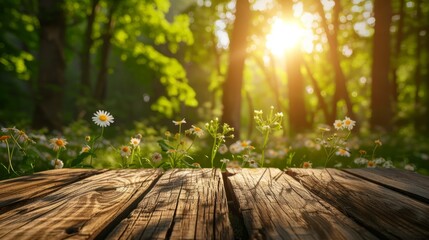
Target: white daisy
348,123
197,131
338,124
102,118
135,141
343,152
125,151
57,143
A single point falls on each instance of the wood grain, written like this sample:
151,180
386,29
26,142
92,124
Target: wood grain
406,182
18,190
184,204
386,213
275,206
83,209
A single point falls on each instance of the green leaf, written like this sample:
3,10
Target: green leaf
79,159
164,146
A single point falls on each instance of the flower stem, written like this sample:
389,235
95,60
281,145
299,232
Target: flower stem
213,151
263,148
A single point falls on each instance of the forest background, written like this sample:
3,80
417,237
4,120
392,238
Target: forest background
149,62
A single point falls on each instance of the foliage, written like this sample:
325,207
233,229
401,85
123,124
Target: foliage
170,57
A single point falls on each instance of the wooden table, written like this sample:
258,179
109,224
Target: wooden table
262,203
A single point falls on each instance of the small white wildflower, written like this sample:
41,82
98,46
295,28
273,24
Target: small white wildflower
125,151
378,142
271,153
57,163
102,118
235,148
410,167
371,164
338,165
197,131
224,160
253,163
388,164
58,143
379,161
156,157
348,123
85,149
223,149
338,124
307,165
135,142
266,127
324,129
342,152
179,122
360,160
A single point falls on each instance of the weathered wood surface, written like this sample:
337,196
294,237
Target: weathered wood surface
18,190
385,212
83,209
194,204
275,206
184,204
406,182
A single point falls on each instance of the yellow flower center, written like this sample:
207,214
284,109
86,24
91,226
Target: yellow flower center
347,122
125,149
59,143
102,118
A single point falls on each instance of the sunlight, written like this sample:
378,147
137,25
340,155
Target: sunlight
285,36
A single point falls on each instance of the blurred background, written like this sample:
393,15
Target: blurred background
148,62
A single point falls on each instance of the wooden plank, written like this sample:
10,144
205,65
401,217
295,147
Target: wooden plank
18,190
275,206
386,213
406,182
82,210
184,204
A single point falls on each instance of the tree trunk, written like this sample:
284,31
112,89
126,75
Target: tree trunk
340,79
396,53
100,90
418,108
381,104
296,90
51,80
231,98
85,80
426,97
321,101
